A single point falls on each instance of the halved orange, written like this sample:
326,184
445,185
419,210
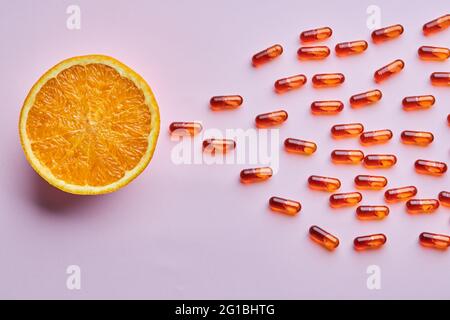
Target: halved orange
89,125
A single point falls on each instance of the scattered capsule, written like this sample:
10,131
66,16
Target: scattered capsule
420,138
339,200
326,107
440,78
380,160
290,83
418,102
375,137
434,168
433,53
316,34
388,33
400,194
372,212
218,145
300,146
372,241
422,205
324,183
370,182
313,53
267,55
328,79
444,198
347,130
185,128
323,238
289,207
365,98
352,47
347,156
433,240
271,119
225,102
388,70
256,174
436,25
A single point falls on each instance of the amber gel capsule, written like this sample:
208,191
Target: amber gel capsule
328,79
347,156
324,183
435,168
372,212
440,78
339,200
218,145
372,241
290,83
422,205
352,47
256,174
380,160
370,182
375,137
323,238
389,70
420,138
289,207
185,128
313,53
225,102
347,130
300,146
418,102
388,33
433,53
316,34
433,240
267,55
326,107
365,98
444,198
271,119
399,194
436,25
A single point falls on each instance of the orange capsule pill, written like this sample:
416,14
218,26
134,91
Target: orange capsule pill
380,160
225,102
328,79
218,145
323,238
433,53
347,130
256,174
267,55
372,212
290,83
372,241
271,119
289,207
324,183
388,33
375,137
347,156
418,102
370,182
400,194
388,70
448,119
422,205
365,98
185,128
352,47
326,107
444,198
433,240
420,138
435,168
436,25
300,146
313,53
316,34
339,200
440,79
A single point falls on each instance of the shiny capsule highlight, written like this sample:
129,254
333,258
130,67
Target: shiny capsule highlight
323,80
290,83
433,53
324,183
444,198
380,160
324,238
400,194
225,102
372,212
300,146
373,241
326,107
213,145
350,48
387,33
346,130
422,205
365,98
339,200
289,207
434,240
271,119
430,167
313,53
436,25
347,156
418,102
440,79
375,137
256,174
267,55
185,128
318,34
370,182
419,138
388,70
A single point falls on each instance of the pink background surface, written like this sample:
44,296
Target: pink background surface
193,231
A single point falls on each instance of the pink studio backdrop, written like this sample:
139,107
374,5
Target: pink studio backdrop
193,231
